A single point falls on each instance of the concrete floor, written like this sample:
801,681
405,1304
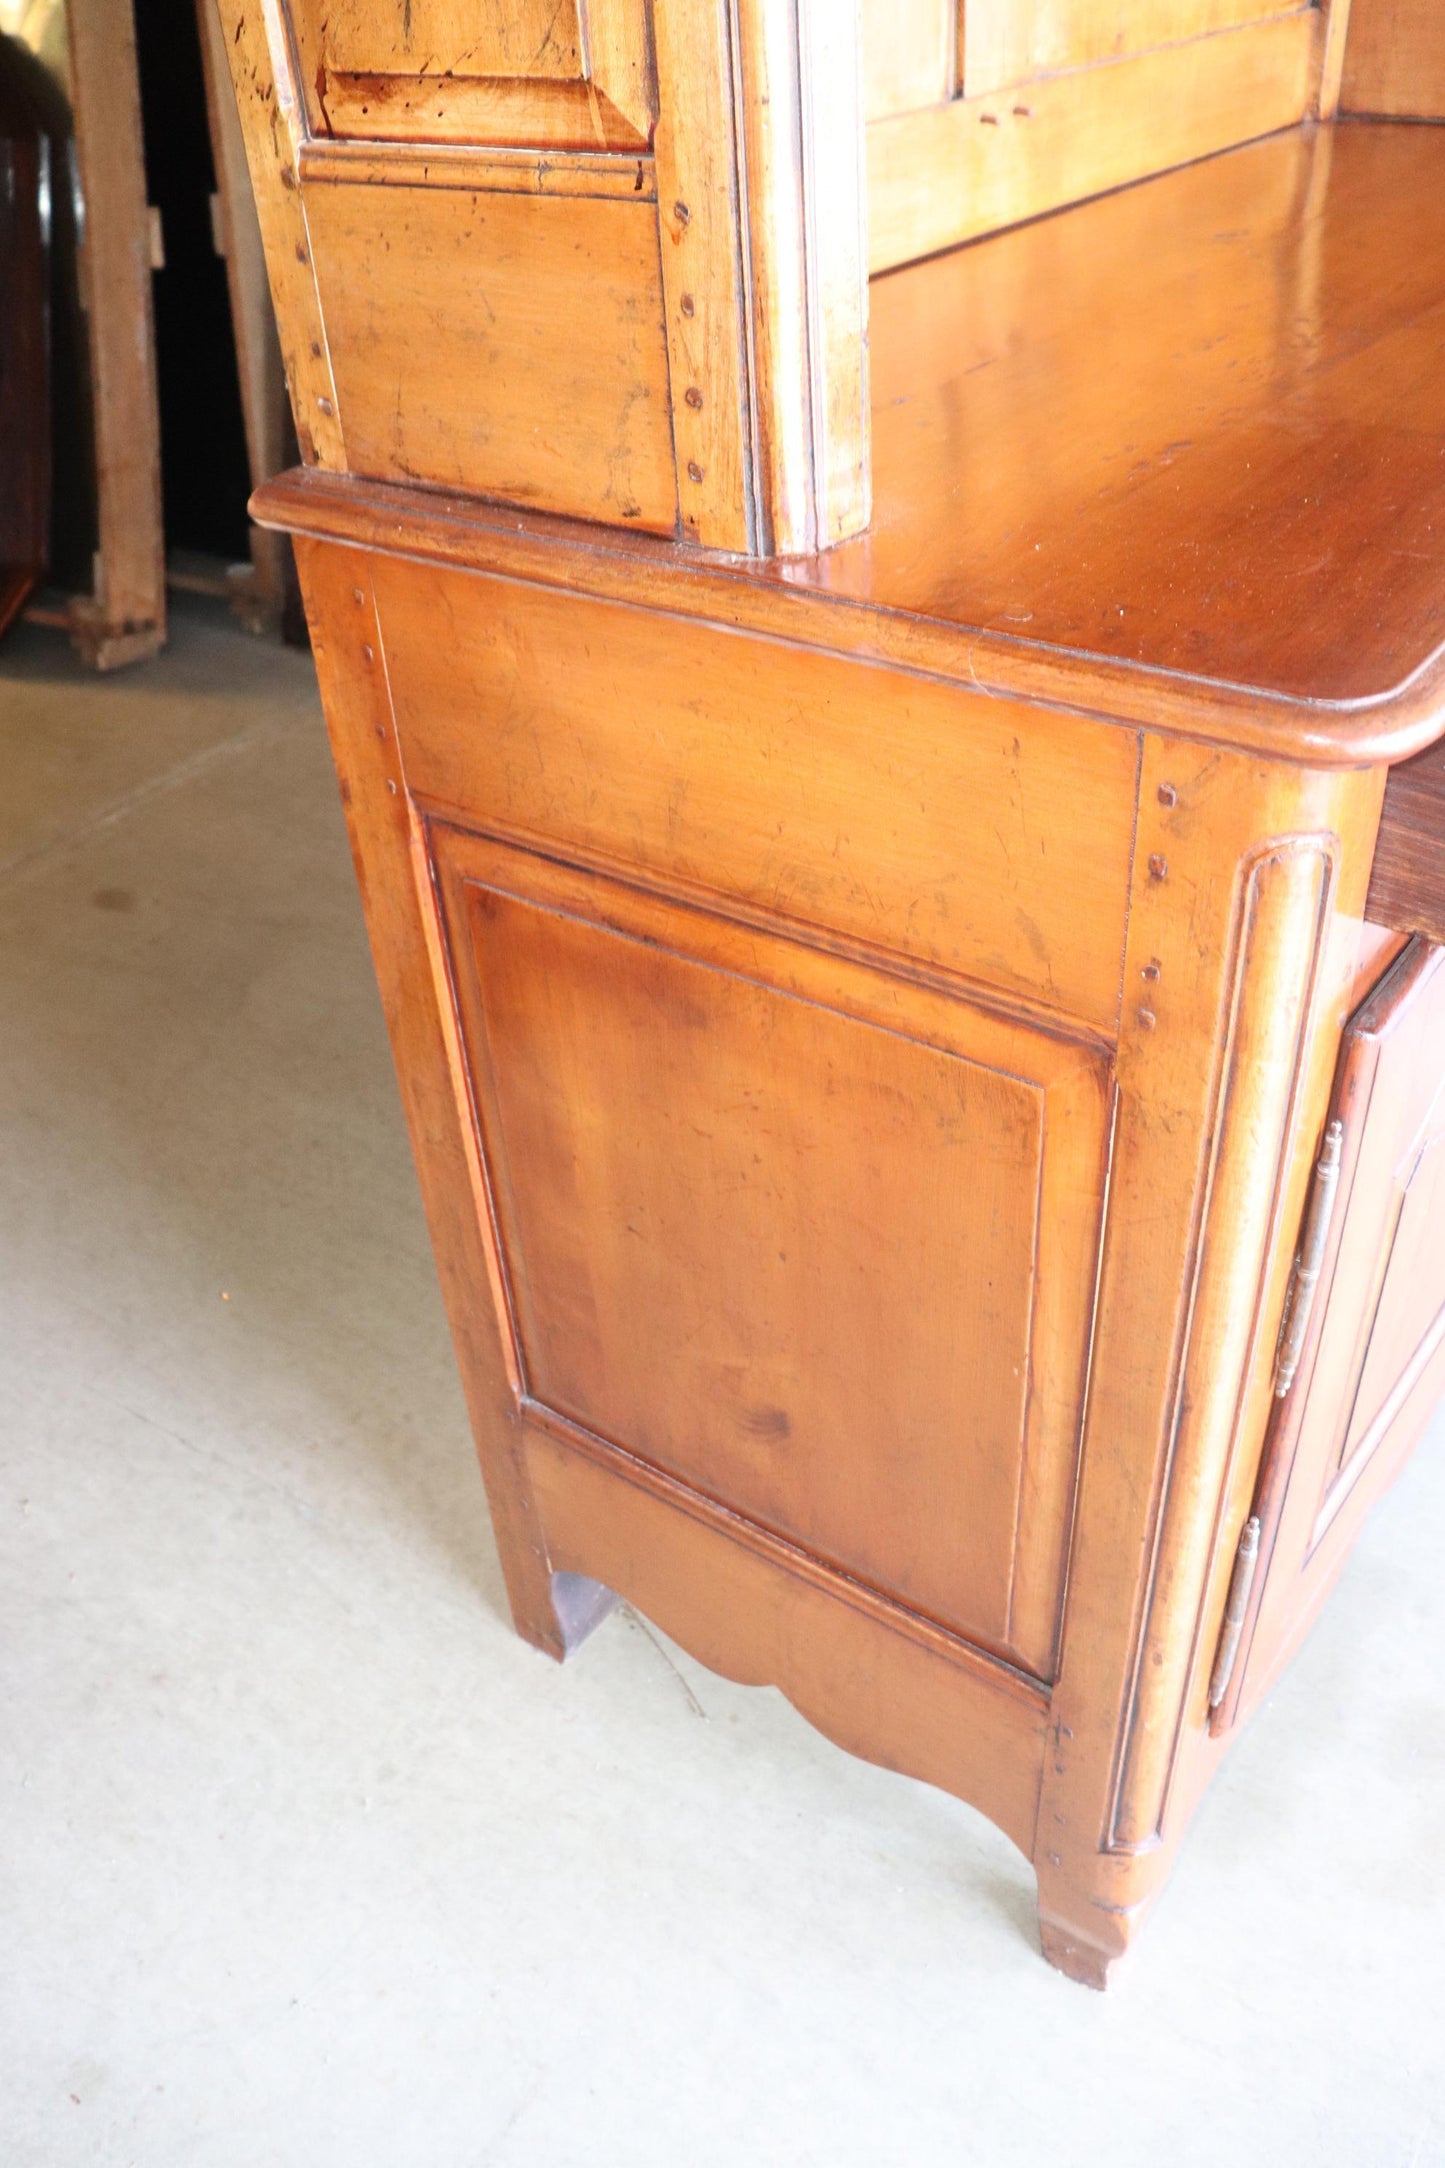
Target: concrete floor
306,1859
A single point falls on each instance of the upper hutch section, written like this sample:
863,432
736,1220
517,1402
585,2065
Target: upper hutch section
610,258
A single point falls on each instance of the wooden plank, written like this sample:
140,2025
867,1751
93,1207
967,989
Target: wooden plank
1008,42
871,1676
423,109
274,126
125,618
541,39
25,413
1332,57
1407,882
1395,59
802,129
261,372
938,178
766,320
540,376
910,56
702,277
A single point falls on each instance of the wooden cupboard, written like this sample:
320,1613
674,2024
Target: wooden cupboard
898,817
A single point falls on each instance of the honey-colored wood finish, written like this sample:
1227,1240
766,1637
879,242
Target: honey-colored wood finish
1009,42
981,162
274,125
533,72
509,402
1395,60
625,348
867,1014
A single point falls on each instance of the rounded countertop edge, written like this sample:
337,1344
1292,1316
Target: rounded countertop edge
742,595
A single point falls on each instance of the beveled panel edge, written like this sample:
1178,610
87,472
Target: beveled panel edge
668,577
991,1670
475,110
994,1003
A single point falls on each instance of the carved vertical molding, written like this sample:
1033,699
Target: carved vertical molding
1243,872
1276,946
761,218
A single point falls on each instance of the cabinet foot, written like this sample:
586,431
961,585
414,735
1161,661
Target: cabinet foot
1083,1959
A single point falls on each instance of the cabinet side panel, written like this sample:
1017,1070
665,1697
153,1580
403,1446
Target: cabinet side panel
817,1244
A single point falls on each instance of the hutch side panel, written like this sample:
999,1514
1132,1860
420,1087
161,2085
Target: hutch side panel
455,319
1395,60
1007,42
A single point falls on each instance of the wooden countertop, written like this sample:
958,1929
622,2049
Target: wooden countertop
1175,456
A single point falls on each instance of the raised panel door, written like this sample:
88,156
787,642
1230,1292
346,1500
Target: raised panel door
1374,1364
815,1241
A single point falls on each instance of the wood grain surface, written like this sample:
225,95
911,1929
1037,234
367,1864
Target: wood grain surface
484,382
1176,457
1395,59
1407,882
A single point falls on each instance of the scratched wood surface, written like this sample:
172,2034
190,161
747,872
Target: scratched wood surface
542,72
1175,456
866,1018
484,383
1196,426
819,1244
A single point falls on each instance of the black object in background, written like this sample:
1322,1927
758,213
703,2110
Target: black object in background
205,480
25,192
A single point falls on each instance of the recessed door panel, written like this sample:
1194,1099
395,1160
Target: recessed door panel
546,72
817,1242
1374,1364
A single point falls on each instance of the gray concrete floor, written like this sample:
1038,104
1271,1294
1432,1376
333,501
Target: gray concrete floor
306,1859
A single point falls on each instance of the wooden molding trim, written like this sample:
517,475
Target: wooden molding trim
431,527
449,165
